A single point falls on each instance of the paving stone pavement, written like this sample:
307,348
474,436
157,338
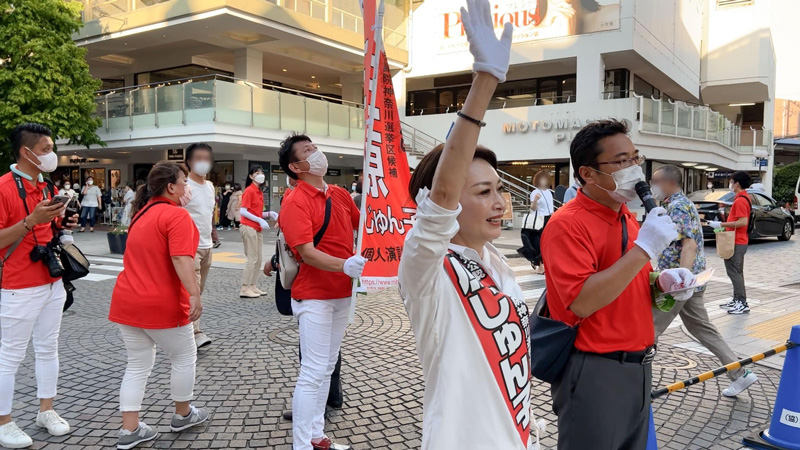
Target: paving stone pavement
246,377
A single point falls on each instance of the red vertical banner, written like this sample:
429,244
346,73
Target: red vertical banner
386,209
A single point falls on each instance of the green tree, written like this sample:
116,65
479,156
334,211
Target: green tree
784,181
44,76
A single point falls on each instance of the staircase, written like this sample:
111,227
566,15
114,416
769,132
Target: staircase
417,144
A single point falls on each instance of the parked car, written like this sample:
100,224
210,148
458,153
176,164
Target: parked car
770,219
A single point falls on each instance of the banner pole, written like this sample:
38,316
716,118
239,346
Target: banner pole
373,82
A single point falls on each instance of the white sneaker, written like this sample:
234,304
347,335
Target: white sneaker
740,384
12,437
55,425
201,340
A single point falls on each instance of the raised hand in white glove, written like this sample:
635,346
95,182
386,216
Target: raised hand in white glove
491,55
271,215
715,224
353,266
657,232
264,225
672,279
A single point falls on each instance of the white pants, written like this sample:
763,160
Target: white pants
24,313
177,343
322,325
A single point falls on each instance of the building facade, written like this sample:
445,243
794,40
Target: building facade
694,79
238,74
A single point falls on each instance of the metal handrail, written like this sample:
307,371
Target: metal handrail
217,76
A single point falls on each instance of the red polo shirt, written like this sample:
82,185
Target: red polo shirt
149,294
302,216
19,272
740,208
253,200
581,239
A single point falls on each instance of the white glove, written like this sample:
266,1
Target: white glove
715,224
491,55
264,224
271,215
672,279
66,239
353,266
657,232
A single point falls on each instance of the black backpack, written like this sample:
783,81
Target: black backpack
751,219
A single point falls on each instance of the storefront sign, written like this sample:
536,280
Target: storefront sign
334,172
174,154
563,129
532,19
718,174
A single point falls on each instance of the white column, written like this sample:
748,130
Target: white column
352,88
248,65
130,79
769,126
591,77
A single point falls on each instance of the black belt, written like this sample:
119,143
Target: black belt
644,357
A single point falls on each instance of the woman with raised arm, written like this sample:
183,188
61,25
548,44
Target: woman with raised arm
466,309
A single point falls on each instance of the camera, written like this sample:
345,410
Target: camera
48,256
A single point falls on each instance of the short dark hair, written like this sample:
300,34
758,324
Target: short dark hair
585,148
426,169
197,146
286,152
27,135
672,172
743,178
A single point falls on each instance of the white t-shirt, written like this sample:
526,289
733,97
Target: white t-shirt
545,204
92,197
470,403
201,208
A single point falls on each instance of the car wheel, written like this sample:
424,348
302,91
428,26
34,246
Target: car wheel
787,232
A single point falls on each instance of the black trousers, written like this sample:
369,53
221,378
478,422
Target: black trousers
602,404
532,244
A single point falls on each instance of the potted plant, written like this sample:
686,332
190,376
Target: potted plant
117,238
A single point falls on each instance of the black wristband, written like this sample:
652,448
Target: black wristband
475,121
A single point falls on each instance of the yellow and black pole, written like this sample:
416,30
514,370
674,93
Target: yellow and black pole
721,370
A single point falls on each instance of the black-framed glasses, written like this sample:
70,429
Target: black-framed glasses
637,160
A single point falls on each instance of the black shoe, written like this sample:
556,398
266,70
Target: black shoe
287,415
335,405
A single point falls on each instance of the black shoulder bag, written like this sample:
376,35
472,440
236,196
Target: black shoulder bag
552,340
283,297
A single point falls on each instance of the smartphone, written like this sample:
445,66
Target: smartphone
73,208
59,200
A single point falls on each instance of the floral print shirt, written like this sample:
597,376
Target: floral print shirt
684,214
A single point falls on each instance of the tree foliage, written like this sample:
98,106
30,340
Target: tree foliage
44,76
784,181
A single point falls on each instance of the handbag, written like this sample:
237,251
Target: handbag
535,223
75,264
552,340
289,267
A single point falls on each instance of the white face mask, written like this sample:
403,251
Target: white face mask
260,178
67,186
201,168
625,180
710,186
658,194
187,195
317,164
90,182
48,162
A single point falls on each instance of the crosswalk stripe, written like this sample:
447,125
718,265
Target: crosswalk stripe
532,294
104,260
97,277
106,267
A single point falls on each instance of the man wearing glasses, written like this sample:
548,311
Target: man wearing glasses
599,277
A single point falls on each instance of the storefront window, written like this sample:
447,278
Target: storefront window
177,73
644,88
616,85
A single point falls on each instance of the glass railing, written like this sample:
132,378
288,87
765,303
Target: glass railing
324,10
662,116
226,100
